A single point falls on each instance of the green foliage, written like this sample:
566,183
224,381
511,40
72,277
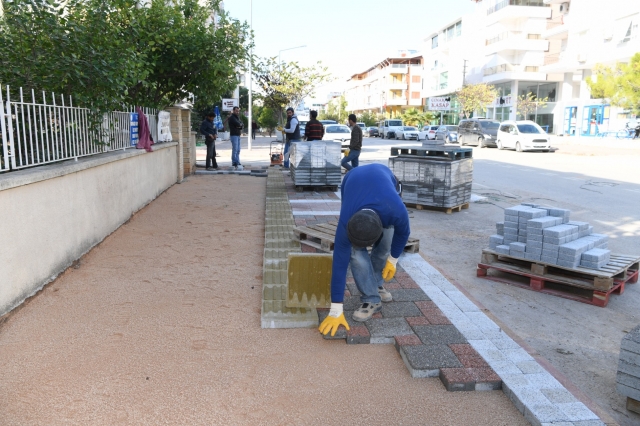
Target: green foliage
106,53
267,119
336,110
529,103
414,117
368,118
619,85
288,83
475,97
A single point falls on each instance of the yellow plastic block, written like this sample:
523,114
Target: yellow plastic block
309,280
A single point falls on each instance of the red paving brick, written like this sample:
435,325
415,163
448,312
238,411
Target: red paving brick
426,305
392,286
486,375
418,321
462,349
472,361
458,379
436,318
408,340
377,315
358,334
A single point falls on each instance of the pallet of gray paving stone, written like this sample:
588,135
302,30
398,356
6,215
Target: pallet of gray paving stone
628,375
433,151
315,164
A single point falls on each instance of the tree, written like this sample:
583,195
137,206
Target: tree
620,85
336,110
475,97
288,83
414,117
369,118
529,103
106,53
267,119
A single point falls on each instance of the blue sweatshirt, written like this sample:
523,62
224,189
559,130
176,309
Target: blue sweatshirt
367,187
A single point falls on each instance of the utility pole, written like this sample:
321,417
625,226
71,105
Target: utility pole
250,118
464,72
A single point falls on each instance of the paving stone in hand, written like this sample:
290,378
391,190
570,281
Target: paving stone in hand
439,334
408,295
400,309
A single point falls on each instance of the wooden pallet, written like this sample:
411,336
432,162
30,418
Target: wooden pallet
302,188
323,235
435,152
447,210
581,284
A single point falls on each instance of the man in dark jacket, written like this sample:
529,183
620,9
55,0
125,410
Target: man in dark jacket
355,146
292,132
314,130
235,129
210,134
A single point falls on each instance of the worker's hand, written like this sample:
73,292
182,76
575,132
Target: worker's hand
334,320
279,128
346,152
389,269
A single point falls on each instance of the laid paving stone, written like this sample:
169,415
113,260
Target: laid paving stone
540,413
408,295
399,309
487,379
472,361
559,396
353,289
427,360
383,330
462,349
426,305
418,320
439,334
392,286
437,318
351,303
458,379
407,282
408,340
358,335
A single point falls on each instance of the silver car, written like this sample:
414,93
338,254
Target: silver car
447,133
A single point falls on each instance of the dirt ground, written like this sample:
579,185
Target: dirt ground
160,324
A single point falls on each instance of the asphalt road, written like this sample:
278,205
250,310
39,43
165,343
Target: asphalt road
599,182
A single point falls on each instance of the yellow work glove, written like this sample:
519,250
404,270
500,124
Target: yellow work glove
334,320
389,269
279,128
346,152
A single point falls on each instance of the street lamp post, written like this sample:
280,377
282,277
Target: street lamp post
250,120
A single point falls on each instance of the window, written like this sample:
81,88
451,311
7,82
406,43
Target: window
415,79
459,29
415,95
444,80
504,128
450,33
528,128
434,42
435,64
533,36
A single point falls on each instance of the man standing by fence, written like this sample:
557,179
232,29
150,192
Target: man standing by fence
210,133
235,129
314,130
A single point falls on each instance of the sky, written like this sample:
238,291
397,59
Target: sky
348,36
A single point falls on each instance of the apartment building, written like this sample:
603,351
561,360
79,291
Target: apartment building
450,54
587,33
389,87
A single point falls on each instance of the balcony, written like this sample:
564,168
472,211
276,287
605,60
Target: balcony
517,9
397,101
557,28
506,72
396,69
515,41
396,86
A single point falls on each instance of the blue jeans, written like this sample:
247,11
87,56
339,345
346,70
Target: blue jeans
367,268
353,157
287,148
235,150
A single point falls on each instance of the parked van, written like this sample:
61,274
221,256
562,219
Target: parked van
387,128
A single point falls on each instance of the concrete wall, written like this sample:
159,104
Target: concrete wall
50,216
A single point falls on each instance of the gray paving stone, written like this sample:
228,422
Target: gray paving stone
439,334
559,396
383,330
503,367
515,380
351,303
530,367
409,295
538,413
400,309
589,423
427,358
505,343
544,381
517,355
469,331
577,411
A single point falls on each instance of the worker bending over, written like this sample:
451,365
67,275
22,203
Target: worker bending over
372,214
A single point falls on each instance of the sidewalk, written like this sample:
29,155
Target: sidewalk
160,324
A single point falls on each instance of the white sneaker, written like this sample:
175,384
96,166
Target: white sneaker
385,295
366,311
239,167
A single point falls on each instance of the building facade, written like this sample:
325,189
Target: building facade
387,88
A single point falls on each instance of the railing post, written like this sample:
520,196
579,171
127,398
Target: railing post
176,131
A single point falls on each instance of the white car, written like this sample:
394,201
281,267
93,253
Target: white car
407,132
524,135
428,133
337,132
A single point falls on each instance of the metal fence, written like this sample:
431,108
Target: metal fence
36,133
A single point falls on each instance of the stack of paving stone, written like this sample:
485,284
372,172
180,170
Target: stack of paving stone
315,163
628,377
547,235
437,182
